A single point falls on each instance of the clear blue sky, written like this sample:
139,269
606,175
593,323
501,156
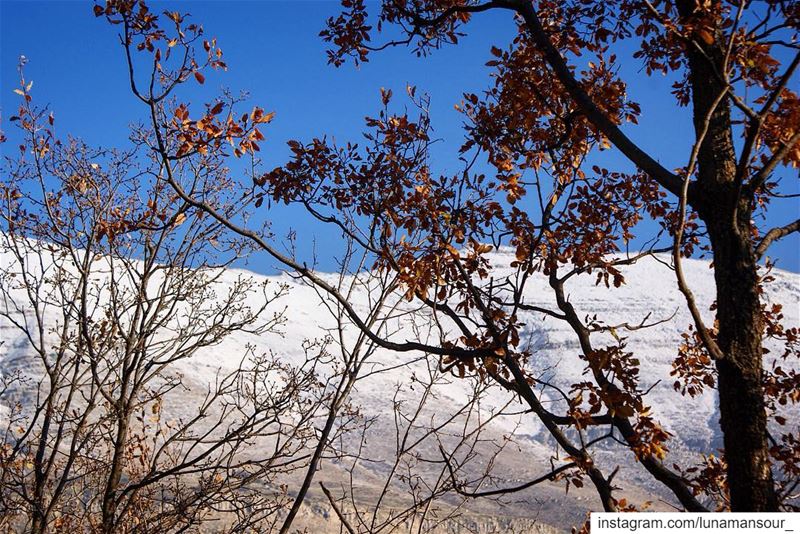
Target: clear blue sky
273,51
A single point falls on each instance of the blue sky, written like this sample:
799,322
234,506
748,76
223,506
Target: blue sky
273,51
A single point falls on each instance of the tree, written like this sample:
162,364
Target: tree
734,63
540,126
113,284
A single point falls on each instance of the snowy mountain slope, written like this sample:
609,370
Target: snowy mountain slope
649,292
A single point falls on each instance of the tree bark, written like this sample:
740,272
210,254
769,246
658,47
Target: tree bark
741,395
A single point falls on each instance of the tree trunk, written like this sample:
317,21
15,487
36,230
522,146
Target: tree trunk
115,472
741,395
727,215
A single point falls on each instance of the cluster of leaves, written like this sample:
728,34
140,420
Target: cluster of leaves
600,216
620,394
211,130
709,478
142,29
173,56
526,119
693,366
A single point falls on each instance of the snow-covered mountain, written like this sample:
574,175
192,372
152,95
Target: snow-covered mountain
649,291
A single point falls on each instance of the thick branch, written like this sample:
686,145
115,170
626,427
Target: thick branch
775,234
421,22
639,157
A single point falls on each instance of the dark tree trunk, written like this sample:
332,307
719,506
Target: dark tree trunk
719,203
741,396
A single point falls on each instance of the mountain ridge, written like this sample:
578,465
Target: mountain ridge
649,293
